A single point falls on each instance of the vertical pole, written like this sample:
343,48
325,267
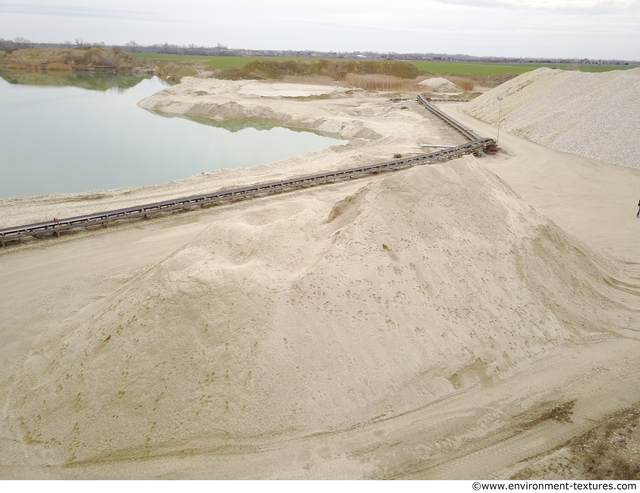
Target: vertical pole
499,98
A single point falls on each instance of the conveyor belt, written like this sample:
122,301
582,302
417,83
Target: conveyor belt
55,227
469,134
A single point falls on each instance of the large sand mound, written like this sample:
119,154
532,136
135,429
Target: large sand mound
418,285
592,115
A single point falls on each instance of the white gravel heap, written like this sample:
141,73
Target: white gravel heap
592,115
440,85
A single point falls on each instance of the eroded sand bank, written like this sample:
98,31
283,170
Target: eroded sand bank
378,328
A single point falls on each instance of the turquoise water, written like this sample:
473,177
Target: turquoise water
91,135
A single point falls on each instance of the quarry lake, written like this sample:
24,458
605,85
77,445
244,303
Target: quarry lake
75,132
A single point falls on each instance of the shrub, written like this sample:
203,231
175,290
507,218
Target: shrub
336,69
58,66
467,84
377,82
174,69
68,58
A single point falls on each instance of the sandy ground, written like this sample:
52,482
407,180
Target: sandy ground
286,90
448,321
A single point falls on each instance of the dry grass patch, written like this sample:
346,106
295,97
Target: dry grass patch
336,69
462,82
58,66
561,413
610,451
379,82
175,69
94,57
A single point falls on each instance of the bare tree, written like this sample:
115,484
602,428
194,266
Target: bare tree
132,46
21,42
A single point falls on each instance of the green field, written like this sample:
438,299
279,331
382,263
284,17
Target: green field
434,67
462,68
488,69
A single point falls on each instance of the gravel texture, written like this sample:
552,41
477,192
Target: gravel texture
591,115
441,85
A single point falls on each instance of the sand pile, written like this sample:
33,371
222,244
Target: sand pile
592,115
417,285
441,86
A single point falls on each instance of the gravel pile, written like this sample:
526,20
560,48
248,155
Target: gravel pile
592,115
441,85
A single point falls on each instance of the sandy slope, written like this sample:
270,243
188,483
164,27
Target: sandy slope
427,323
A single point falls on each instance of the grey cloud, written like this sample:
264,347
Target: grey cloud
599,8
479,3
68,11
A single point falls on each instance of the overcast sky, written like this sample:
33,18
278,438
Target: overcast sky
528,28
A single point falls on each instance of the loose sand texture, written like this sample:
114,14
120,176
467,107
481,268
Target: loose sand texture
287,90
426,323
